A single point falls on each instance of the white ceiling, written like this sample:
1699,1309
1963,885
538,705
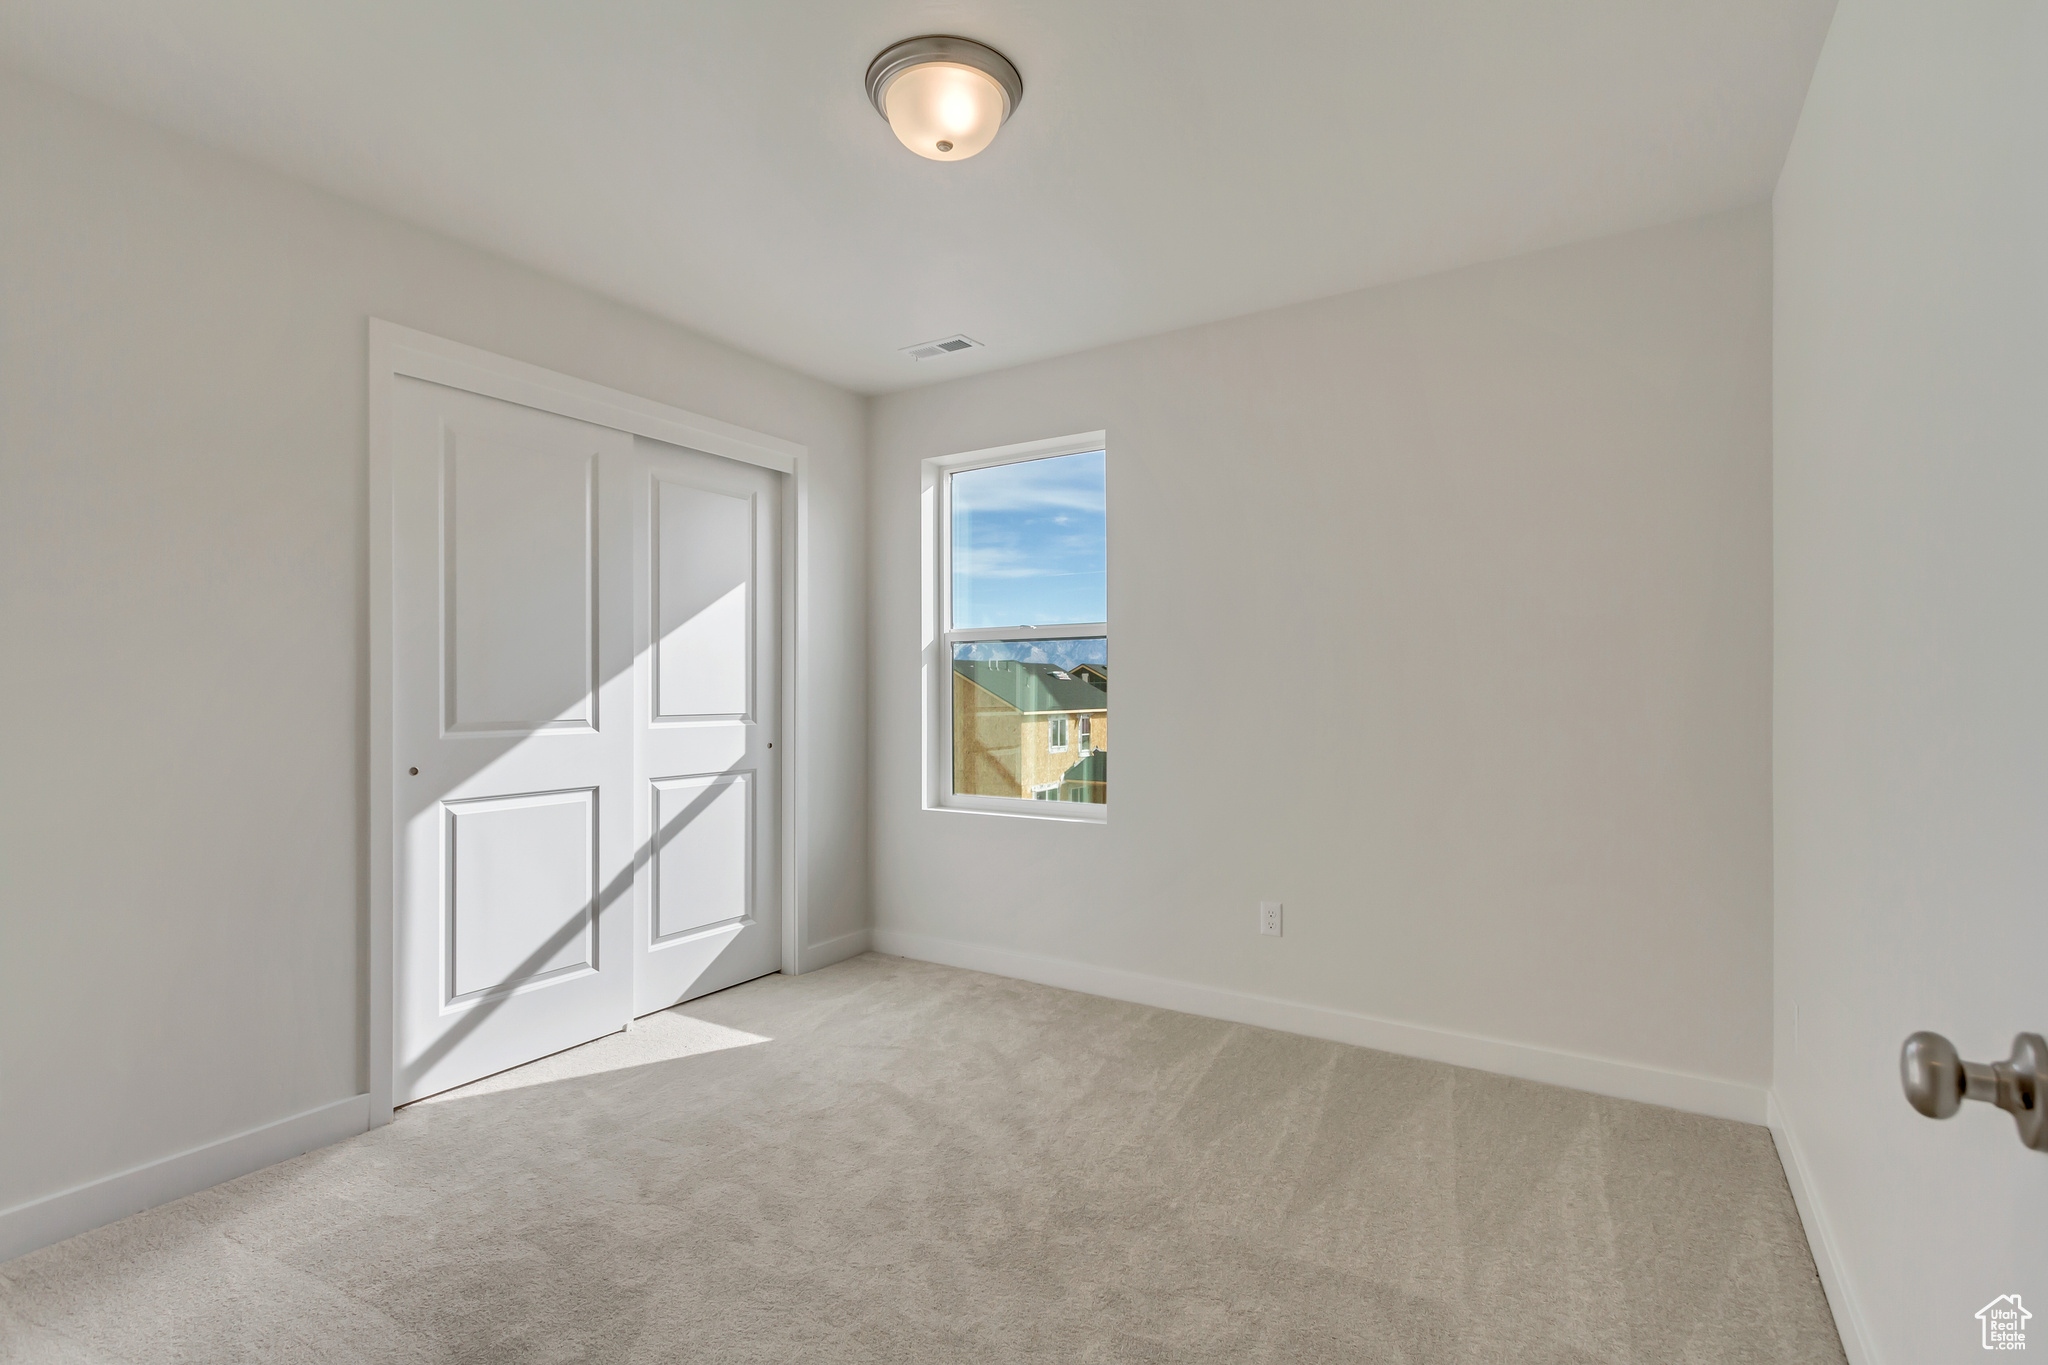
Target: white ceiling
1171,163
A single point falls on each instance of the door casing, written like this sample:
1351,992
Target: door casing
395,351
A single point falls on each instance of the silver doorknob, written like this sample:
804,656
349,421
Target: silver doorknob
1937,1082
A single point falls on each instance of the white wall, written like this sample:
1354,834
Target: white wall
1912,653
182,519
1482,564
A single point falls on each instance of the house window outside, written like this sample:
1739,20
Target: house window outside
1023,595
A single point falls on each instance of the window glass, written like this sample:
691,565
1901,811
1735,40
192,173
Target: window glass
1013,702
1028,543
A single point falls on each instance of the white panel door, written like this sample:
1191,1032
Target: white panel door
707,718
513,778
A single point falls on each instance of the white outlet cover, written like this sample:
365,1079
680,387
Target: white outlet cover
1269,918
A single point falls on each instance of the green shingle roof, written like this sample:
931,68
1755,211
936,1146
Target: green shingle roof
1094,768
1032,687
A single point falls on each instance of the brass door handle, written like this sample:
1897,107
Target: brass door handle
1937,1082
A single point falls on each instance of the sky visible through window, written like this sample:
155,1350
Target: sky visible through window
1058,653
1029,546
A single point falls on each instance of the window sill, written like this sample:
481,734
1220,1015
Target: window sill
1062,812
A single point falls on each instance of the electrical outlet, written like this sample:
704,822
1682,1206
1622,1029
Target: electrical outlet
1269,918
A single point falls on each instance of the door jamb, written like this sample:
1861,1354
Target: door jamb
396,351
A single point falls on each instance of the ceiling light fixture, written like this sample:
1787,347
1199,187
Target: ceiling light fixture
944,97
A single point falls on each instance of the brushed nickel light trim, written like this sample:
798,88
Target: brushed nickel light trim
939,47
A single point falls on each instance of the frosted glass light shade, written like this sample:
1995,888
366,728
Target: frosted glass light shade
944,96
943,110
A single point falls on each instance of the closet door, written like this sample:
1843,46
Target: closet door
706,723
513,733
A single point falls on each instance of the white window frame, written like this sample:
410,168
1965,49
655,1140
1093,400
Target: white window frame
1084,742
1059,720
938,638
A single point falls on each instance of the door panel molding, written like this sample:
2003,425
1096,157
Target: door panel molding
396,351
481,566
691,626
568,943
680,803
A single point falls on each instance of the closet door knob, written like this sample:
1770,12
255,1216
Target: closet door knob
1937,1081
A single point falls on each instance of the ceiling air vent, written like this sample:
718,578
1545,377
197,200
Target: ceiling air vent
932,350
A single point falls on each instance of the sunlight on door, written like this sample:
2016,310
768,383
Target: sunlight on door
586,699
704,736
703,560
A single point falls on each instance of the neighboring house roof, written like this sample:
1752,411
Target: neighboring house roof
1094,673
1094,768
1032,687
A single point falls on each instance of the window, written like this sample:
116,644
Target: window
1020,587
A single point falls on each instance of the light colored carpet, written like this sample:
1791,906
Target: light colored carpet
891,1161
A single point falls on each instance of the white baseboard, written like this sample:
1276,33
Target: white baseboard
82,1208
816,955
1820,1238
1622,1080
